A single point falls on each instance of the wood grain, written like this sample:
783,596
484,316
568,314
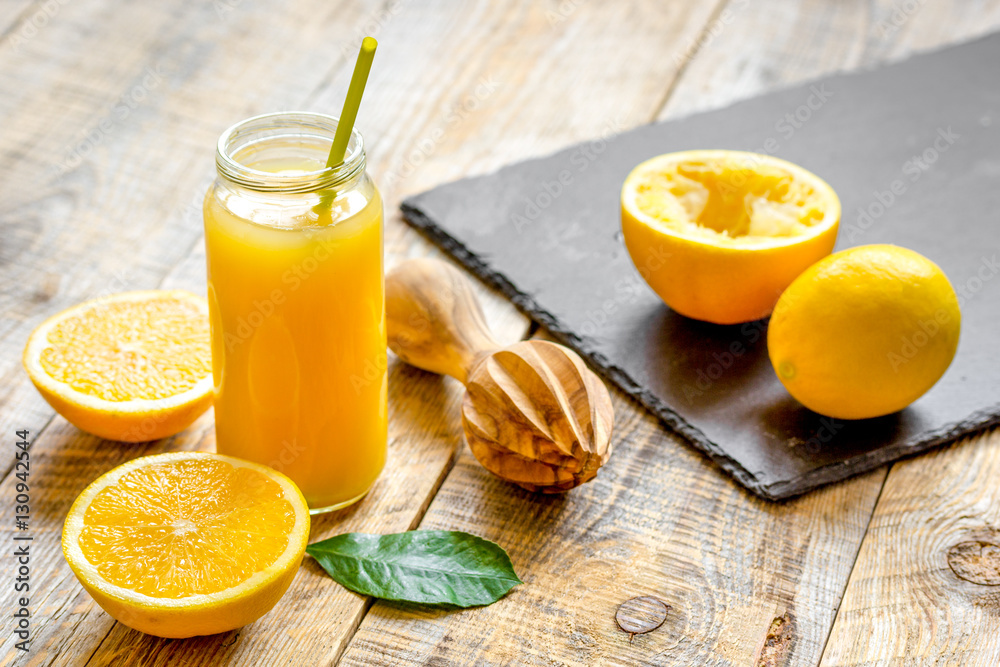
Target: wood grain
189,117
752,47
536,78
433,319
543,629
425,433
657,521
461,88
907,602
110,116
533,413
895,610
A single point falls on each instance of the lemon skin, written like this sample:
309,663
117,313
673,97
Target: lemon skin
864,332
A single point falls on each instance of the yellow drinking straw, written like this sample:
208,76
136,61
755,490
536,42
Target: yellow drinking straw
352,102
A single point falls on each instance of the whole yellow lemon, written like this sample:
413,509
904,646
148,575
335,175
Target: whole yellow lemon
864,332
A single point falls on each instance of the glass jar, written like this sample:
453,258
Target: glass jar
296,299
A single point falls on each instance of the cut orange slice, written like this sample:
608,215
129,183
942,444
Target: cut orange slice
133,366
187,543
720,234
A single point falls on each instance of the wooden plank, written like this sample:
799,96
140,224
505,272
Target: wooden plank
659,521
926,586
675,544
413,475
903,604
70,627
20,22
323,615
751,48
103,154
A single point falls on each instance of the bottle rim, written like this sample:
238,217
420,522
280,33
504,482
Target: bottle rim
282,125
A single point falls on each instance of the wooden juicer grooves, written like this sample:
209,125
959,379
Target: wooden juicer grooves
533,413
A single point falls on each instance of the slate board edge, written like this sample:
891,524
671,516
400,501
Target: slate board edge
620,378
977,422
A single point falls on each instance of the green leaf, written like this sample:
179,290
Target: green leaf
423,566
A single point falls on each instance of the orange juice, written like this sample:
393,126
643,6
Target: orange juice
297,308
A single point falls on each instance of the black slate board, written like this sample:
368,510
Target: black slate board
546,232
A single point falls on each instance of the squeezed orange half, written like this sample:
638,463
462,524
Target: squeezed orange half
720,234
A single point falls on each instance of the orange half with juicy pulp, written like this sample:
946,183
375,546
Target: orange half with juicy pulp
187,543
720,234
132,366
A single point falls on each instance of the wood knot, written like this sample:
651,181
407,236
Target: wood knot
640,615
976,561
778,642
47,288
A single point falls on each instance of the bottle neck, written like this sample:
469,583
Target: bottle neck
285,153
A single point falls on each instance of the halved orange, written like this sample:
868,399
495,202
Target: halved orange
187,543
720,234
133,366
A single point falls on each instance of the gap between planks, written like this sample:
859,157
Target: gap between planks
534,329
418,517
529,330
689,55
854,562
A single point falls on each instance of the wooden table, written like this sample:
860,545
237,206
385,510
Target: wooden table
109,113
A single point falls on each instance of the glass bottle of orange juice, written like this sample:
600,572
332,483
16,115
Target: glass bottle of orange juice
295,284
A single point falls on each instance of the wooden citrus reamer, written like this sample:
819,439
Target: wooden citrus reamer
533,413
